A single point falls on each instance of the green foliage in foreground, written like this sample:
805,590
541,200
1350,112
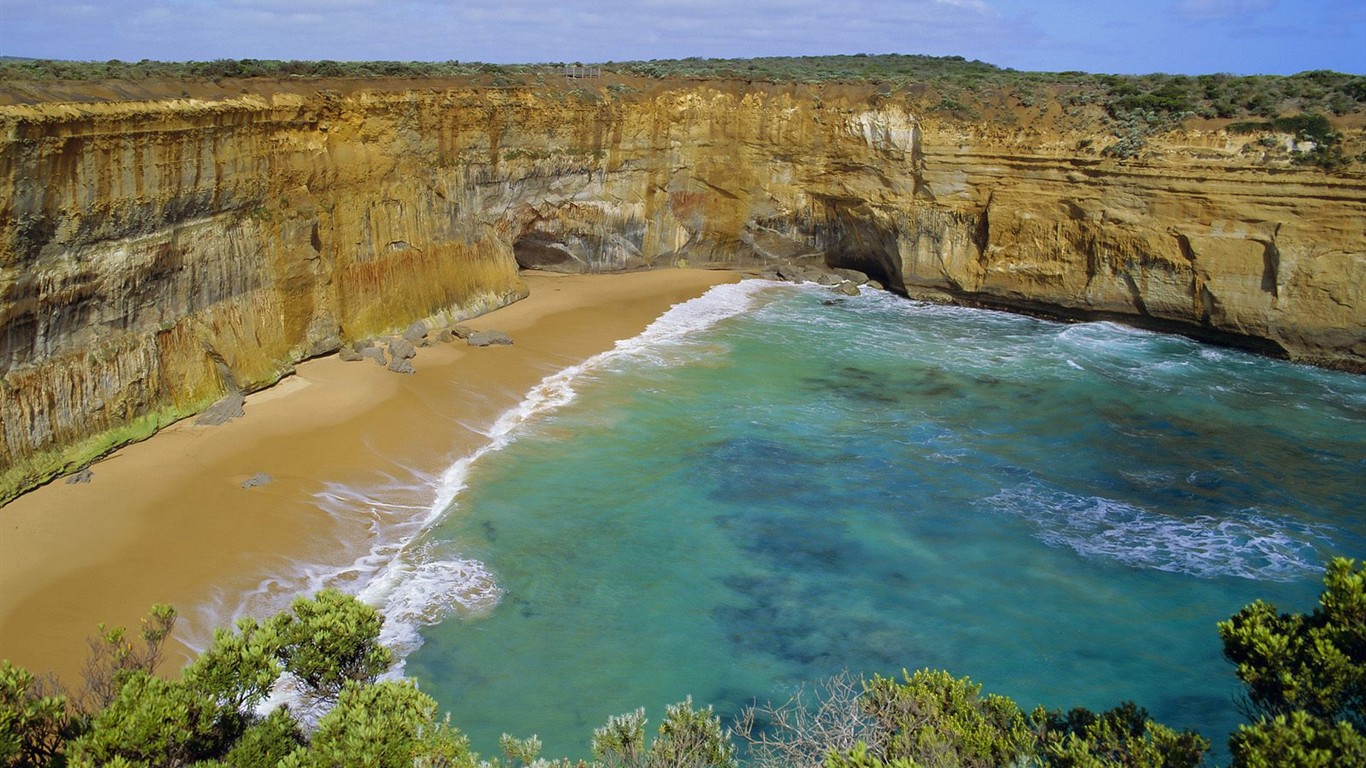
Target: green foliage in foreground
1305,677
933,719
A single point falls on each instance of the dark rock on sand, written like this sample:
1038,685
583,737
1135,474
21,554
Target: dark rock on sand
374,352
488,338
416,332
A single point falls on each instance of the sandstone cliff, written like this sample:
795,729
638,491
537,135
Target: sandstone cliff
159,254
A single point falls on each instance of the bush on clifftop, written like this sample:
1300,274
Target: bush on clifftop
1305,677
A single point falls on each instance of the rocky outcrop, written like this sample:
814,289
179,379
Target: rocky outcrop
160,255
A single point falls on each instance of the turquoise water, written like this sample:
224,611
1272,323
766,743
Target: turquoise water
739,503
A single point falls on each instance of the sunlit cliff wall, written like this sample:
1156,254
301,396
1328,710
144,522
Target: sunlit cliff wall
157,255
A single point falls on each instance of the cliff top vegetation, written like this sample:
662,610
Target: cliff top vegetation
967,83
1317,108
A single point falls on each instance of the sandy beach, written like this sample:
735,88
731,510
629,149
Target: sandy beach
168,520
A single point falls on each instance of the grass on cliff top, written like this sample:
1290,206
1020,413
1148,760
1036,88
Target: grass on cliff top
1127,110
963,86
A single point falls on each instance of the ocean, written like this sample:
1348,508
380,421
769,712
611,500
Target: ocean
774,484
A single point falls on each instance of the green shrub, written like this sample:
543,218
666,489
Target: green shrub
1123,736
934,719
1305,676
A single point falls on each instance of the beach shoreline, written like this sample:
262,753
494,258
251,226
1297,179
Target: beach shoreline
173,519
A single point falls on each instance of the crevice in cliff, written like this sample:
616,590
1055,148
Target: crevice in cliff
1271,265
231,406
981,232
1202,301
718,190
1187,251
1135,294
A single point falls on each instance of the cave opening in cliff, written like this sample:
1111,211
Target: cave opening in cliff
856,238
540,250
872,265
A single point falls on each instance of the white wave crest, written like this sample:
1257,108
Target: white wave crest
1247,544
421,588
394,570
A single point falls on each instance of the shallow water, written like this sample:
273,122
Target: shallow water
735,504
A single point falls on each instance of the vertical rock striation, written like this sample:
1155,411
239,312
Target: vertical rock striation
158,255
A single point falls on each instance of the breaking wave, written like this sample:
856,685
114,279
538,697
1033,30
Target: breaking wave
415,582
1248,544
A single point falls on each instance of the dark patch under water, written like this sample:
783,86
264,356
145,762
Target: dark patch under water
1060,512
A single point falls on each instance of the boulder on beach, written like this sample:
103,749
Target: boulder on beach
401,353
260,478
81,477
416,332
488,338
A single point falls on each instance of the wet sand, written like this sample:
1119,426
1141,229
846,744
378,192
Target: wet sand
168,520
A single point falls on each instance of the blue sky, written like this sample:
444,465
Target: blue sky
1130,36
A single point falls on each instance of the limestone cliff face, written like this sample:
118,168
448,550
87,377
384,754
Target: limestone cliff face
158,254
1194,241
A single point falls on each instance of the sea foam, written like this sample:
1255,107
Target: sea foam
412,581
1248,544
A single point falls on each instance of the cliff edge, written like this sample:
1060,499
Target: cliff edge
160,253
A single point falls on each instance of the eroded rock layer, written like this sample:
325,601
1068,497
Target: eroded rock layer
160,255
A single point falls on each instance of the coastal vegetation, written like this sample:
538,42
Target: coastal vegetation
957,81
1305,678
1131,108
